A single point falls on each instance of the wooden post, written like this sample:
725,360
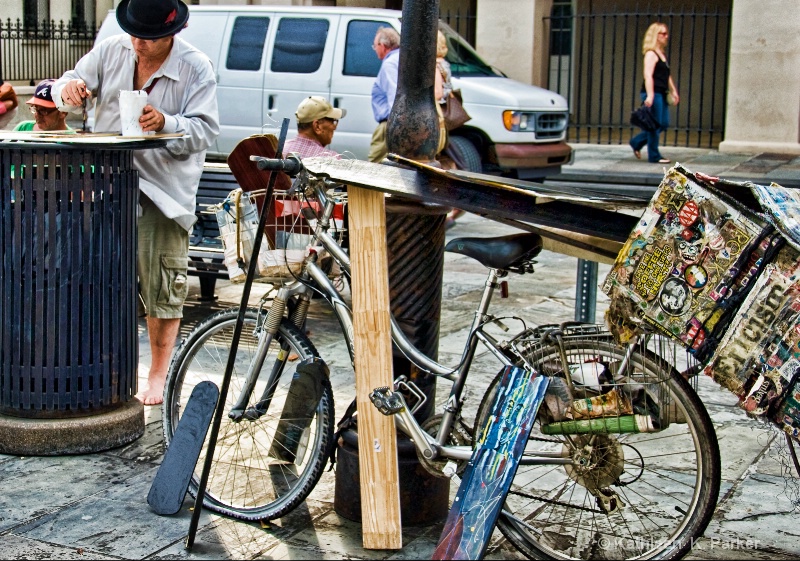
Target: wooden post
377,441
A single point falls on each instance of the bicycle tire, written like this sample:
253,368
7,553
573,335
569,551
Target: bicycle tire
248,480
548,514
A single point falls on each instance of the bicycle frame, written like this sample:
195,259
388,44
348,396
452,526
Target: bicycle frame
298,290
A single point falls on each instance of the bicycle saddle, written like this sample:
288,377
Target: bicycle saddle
509,253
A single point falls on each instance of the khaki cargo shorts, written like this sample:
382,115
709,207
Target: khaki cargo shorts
162,261
377,148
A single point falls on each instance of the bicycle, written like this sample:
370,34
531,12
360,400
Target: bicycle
640,480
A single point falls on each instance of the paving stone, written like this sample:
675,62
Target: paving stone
18,547
127,529
33,487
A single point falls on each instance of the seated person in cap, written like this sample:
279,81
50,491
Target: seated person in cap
47,116
8,103
316,122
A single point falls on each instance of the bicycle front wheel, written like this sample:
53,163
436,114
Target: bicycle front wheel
620,496
268,461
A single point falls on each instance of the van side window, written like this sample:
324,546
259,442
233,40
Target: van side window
359,58
299,45
247,43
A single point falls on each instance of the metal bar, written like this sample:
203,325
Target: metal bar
691,80
586,291
622,107
615,81
725,76
601,75
579,85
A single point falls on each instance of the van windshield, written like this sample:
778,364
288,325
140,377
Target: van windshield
463,59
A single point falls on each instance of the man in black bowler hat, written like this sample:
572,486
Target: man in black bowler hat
181,98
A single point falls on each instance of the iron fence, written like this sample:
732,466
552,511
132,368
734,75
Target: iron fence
595,61
46,50
462,23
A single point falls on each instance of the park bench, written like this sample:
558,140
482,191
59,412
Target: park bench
205,245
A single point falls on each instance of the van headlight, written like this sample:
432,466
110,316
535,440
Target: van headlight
544,124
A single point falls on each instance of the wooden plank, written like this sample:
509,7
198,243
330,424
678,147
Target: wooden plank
78,137
560,191
590,215
377,441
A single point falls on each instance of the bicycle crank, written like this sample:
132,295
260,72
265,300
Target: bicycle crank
390,402
459,436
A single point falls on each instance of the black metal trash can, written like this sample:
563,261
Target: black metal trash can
68,326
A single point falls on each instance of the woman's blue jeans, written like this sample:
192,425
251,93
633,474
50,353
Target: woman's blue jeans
661,113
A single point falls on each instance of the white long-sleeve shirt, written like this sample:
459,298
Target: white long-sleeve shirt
186,93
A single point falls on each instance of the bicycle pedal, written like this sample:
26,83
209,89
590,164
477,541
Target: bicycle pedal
387,401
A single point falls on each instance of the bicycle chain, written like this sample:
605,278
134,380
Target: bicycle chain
554,502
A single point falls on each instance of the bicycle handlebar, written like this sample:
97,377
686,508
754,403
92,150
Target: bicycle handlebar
291,165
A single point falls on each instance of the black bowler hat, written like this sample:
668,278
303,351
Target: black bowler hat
152,19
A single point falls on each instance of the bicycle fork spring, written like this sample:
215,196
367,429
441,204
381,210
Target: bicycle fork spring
298,315
274,316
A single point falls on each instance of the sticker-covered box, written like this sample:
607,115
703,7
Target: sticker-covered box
688,264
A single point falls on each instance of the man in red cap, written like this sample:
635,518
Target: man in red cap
46,114
181,98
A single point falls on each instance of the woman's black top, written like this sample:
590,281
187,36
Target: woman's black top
660,77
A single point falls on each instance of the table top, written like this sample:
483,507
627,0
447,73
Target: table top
79,140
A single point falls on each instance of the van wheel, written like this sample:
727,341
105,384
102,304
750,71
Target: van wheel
464,154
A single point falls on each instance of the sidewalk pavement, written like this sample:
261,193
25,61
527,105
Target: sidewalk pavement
94,506
616,164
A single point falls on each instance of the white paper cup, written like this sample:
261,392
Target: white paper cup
131,105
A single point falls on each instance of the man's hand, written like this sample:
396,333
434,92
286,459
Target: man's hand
75,92
151,119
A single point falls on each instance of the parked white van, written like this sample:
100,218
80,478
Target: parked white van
268,58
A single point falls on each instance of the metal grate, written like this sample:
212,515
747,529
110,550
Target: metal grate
550,125
595,61
68,340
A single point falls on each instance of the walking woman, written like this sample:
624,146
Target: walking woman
658,84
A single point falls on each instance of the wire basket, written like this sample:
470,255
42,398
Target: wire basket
285,241
597,385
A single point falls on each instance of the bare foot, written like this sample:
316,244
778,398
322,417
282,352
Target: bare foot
152,393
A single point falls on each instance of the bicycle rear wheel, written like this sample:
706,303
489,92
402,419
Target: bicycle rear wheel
665,484
264,465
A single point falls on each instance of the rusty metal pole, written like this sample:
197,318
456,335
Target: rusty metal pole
415,244
413,127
